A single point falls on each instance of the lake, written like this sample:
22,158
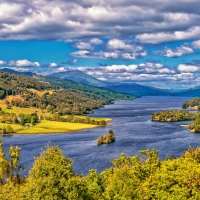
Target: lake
133,129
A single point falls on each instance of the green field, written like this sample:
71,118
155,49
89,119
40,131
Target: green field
16,127
46,126
18,110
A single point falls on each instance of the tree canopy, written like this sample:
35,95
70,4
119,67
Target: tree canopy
139,177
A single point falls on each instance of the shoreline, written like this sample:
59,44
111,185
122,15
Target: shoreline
59,132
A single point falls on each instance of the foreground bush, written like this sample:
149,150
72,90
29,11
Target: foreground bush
137,177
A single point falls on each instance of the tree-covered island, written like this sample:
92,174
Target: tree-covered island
192,103
106,139
181,115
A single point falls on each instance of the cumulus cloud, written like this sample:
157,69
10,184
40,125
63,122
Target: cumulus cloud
108,55
178,51
20,63
53,65
126,71
114,49
196,44
156,38
188,68
64,20
152,73
24,63
83,45
96,41
119,44
2,62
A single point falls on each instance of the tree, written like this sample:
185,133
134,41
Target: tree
4,131
34,119
9,129
50,174
15,166
4,166
22,121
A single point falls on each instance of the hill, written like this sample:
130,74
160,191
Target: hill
78,80
66,97
57,83
133,88
192,92
80,77
129,88
44,104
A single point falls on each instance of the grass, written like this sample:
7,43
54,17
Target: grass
40,93
16,127
19,110
46,126
95,118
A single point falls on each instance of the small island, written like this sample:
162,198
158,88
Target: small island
192,104
106,139
174,116
182,115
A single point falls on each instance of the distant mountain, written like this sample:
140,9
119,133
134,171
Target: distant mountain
68,84
80,77
11,71
133,88
192,92
129,88
72,77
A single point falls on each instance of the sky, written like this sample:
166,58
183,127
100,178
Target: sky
154,43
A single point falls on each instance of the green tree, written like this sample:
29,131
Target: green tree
9,129
4,130
22,121
15,166
4,165
52,177
34,119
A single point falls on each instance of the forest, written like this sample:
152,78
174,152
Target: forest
144,176
79,99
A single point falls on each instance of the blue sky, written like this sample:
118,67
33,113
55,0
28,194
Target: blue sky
153,43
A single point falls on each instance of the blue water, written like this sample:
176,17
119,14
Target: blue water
133,129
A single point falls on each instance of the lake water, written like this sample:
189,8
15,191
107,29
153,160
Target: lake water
133,129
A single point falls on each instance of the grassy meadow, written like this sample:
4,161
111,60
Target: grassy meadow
44,126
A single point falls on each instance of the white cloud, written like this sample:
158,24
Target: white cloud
127,70
24,63
179,51
188,68
101,54
2,62
118,44
154,74
115,49
156,38
96,41
53,65
61,69
82,53
83,45
152,21
196,44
